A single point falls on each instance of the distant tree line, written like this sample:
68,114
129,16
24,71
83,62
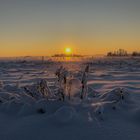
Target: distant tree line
119,52
136,54
122,52
67,55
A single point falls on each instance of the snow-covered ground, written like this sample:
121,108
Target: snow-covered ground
111,109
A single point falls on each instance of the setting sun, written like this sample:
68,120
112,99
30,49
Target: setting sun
68,50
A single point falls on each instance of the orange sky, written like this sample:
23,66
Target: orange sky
89,48
35,28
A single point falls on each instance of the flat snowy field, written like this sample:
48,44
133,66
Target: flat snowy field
111,109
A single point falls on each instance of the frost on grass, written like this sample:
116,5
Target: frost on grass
37,102
35,98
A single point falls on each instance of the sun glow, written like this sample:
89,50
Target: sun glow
68,50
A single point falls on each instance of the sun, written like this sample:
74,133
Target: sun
68,50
